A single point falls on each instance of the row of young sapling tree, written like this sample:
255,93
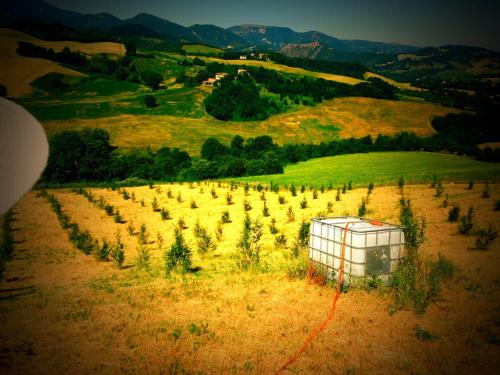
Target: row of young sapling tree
206,245
83,239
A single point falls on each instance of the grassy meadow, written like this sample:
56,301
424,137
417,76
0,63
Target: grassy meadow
199,48
382,168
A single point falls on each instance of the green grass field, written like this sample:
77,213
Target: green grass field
199,48
383,168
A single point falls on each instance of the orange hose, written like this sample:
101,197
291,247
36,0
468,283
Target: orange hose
329,317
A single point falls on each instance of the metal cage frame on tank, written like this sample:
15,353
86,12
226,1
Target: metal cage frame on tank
375,249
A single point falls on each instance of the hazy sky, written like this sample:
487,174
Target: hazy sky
417,22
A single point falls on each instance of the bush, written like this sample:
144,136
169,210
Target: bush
229,199
280,240
193,204
181,224
290,214
265,210
496,207
293,190
103,251
362,208
150,101
143,235
337,197
249,244
143,255
439,189
344,189
154,205
486,191
303,203
226,218
485,237
117,218
178,256
370,188
205,243
315,194
302,240
281,199
401,182
246,205
272,227
471,185
466,222
213,193
219,229
117,252
165,215
454,214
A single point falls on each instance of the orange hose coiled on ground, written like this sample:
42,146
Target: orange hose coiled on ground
329,317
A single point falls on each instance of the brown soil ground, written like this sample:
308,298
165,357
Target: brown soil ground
64,312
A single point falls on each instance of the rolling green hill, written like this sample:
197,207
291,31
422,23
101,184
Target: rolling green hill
383,168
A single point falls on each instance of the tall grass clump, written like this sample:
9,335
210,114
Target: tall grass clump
178,257
249,245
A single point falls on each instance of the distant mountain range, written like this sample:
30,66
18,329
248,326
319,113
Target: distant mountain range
398,61
236,37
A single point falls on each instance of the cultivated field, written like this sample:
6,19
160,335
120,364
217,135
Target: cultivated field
17,72
66,312
342,117
383,168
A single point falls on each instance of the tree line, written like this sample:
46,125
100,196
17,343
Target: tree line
87,155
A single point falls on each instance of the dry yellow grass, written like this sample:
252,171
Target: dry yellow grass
399,85
79,315
353,117
17,72
286,69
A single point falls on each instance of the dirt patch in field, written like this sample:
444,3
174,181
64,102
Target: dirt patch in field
86,316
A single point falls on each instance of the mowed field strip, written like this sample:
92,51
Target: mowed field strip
17,72
222,320
383,168
341,117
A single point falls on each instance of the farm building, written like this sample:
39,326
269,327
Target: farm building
242,71
219,76
243,57
209,82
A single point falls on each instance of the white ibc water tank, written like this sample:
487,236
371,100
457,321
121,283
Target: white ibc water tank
371,247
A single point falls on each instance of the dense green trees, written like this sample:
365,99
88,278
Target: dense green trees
237,100
151,79
150,101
